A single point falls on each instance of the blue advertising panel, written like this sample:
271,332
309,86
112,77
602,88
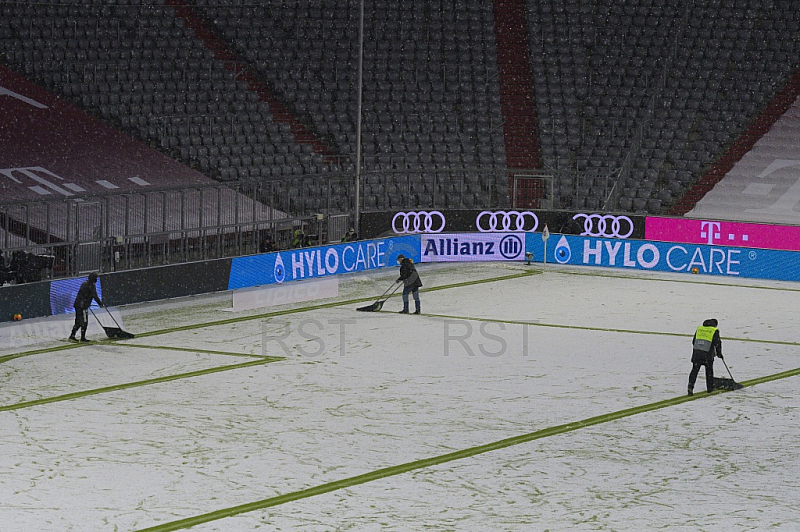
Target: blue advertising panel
667,257
310,263
63,292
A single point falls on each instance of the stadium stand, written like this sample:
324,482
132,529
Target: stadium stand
428,103
51,139
67,179
649,94
139,67
762,185
626,103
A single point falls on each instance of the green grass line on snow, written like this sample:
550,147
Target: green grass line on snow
147,382
240,319
604,329
330,304
7,358
378,474
193,350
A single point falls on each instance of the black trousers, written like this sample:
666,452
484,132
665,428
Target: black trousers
81,321
709,364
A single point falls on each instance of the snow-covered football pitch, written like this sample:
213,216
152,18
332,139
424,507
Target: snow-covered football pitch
521,399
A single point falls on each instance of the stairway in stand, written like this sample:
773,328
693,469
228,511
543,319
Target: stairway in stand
279,112
516,96
761,124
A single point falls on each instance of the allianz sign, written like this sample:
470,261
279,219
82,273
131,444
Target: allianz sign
461,247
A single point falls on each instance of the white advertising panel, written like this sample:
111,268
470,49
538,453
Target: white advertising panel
461,247
296,292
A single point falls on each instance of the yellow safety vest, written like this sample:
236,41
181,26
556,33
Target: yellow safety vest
703,338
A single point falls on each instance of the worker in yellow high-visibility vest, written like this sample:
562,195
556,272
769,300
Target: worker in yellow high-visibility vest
707,344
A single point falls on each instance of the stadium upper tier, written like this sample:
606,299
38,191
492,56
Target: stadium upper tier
621,99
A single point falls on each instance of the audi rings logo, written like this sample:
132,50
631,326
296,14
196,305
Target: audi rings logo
418,222
605,225
506,221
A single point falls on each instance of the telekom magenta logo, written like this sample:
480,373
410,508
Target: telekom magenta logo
710,230
712,234
719,233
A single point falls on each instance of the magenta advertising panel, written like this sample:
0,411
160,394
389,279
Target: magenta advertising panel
721,233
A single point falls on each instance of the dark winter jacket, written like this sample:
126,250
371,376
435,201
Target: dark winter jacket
86,293
267,246
707,343
409,275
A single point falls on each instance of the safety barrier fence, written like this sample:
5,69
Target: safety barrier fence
66,236
62,237
542,247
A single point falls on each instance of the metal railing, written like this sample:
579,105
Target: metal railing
135,229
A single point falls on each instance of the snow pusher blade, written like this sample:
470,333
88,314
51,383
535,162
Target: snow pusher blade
115,333
726,384
375,307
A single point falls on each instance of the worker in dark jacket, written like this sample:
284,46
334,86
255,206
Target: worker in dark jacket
411,283
707,344
267,245
86,293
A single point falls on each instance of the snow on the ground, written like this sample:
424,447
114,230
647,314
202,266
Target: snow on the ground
357,392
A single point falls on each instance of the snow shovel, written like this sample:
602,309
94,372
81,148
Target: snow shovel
112,332
726,384
375,307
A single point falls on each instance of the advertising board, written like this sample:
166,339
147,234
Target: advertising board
464,247
315,262
605,225
737,234
284,294
64,291
668,257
